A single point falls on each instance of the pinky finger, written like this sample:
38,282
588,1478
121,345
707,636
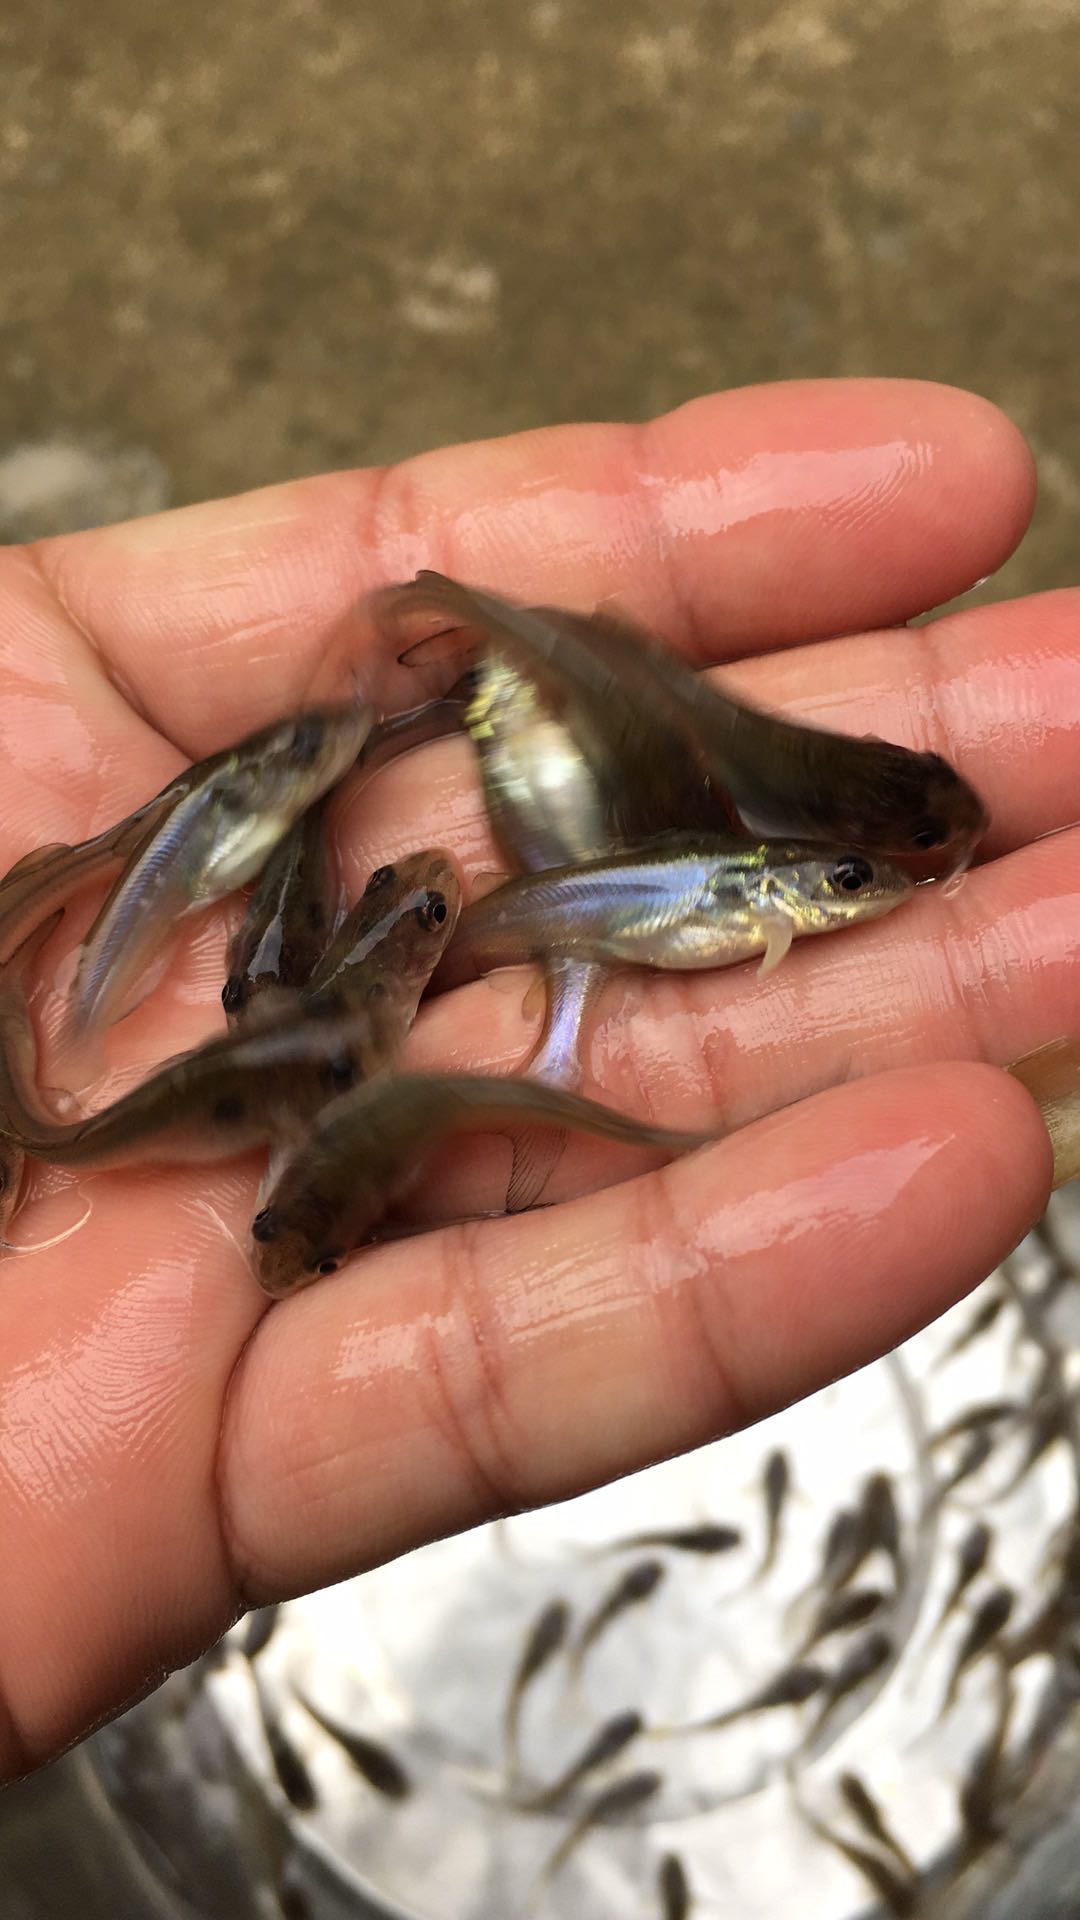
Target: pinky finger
440,1381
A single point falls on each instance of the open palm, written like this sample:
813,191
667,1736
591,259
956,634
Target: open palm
171,1449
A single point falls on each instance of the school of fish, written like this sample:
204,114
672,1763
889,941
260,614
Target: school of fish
647,819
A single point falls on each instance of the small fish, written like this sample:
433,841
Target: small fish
791,1688
990,1617
44,880
710,1537
844,1550
632,1588
289,921
1052,1077
228,814
869,1815
688,904
866,1659
975,1455
987,1413
604,1746
289,1764
367,1147
971,1558
379,1767
673,1888
979,1792
898,1891
979,1322
622,1797
882,1521
383,954
669,745
840,1611
1047,1424
242,1089
776,1485
545,1639
258,1630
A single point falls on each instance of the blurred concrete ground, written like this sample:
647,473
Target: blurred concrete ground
247,242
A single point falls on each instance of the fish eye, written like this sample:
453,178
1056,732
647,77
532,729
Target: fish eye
851,875
232,994
381,877
325,1263
432,910
307,739
338,1073
929,833
264,1226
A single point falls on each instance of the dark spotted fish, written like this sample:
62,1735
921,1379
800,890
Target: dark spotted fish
839,1612
605,1745
980,1322
289,1765
612,1803
632,1589
882,1521
791,1688
545,1639
710,1537
673,1888
378,1766
980,1791
776,1483
865,1808
897,1891
988,1620
866,1659
971,1558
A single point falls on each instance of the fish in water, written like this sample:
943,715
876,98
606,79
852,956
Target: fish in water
289,920
368,1147
882,1521
611,1739
673,1888
839,1612
776,1483
980,1791
379,1767
791,1688
227,815
545,1639
668,745
682,905
289,1764
989,1619
865,1808
611,1803
635,1586
865,1660
258,1630
898,1891
979,1322
971,1557
709,1537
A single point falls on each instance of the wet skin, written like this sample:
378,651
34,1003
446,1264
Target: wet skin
244,1452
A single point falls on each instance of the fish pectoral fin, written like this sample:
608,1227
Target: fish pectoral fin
779,935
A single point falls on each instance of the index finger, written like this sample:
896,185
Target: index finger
749,519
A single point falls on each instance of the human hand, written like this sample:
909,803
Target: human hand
172,1451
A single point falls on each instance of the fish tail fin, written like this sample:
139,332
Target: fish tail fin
536,1154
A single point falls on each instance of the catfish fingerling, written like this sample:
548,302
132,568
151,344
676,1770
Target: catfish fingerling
289,919
545,1638
383,954
366,1148
685,903
631,1589
672,747
230,812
